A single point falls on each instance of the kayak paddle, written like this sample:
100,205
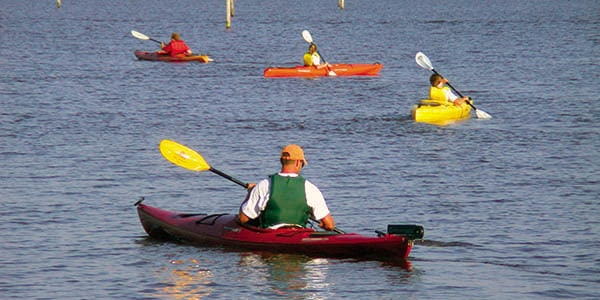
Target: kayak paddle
424,62
308,38
144,37
187,158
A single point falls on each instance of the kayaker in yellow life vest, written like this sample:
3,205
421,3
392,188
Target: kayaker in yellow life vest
312,57
286,198
441,93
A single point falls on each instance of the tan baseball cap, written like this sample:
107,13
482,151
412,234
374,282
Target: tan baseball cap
293,152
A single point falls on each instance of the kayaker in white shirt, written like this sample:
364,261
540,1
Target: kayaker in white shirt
286,198
441,93
312,58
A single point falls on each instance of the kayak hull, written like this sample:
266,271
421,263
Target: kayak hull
153,56
338,69
225,230
430,112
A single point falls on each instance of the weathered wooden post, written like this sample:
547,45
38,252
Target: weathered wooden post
229,9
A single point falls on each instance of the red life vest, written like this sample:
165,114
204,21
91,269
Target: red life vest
175,48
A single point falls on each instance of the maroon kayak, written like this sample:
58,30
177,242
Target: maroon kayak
225,230
145,55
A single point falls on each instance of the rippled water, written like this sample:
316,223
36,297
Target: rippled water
510,205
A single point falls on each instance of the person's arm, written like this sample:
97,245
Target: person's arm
327,222
188,51
460,101
166,49
243,218
316,201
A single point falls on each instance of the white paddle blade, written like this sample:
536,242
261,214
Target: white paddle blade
307,37
139,35
482,114
423,61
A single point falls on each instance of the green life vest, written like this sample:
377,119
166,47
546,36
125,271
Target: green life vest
287,202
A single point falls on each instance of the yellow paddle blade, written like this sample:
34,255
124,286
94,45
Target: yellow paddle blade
183,156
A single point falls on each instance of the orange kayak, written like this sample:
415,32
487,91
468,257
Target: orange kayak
145,55
339,69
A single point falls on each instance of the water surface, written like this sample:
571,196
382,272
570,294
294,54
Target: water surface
510,205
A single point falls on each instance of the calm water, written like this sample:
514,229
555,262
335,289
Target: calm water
510,205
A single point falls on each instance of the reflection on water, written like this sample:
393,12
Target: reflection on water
291,276
184,280
201,275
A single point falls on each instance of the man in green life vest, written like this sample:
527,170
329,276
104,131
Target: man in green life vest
286,199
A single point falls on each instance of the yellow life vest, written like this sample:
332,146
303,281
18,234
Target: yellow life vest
439,95
308,58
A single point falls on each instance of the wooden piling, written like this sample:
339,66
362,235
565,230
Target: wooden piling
229,13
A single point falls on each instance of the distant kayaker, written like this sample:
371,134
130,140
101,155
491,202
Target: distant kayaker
286,198
441,93
312,57
175,47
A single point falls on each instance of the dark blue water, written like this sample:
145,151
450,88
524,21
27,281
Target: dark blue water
510,205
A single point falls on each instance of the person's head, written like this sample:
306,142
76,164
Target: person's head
312,48
175,36
437,79
292,155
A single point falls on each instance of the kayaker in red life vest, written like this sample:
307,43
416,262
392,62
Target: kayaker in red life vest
441,93
286,198
175,47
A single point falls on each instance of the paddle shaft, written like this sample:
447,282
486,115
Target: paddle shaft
323,58
157,41
228,177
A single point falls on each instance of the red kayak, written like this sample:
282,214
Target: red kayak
145,55
225,230
338,69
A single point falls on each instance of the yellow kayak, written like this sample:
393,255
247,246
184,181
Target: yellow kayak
430,111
